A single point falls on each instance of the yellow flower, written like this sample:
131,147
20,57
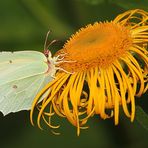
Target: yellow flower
104,65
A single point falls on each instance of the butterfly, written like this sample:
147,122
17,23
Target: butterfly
22,75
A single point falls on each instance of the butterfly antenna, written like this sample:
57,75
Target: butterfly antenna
45,44
51,43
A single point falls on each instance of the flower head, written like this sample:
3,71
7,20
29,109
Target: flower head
104,66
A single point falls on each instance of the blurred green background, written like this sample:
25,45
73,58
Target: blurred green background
23,26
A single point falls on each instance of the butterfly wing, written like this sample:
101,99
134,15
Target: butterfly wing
22,75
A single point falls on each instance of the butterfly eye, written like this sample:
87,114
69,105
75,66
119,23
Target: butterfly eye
47,53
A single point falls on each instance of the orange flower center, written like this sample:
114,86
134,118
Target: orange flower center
96,45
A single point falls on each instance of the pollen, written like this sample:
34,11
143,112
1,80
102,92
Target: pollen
99,44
